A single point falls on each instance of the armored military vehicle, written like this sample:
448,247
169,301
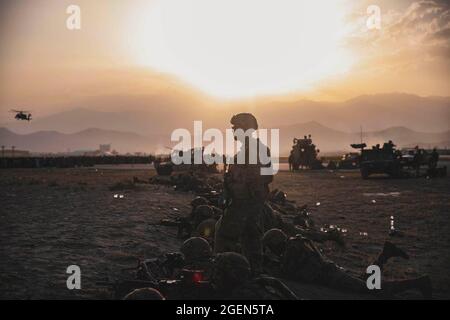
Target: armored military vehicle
304,155
385,160
393,162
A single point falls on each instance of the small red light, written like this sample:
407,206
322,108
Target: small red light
197,277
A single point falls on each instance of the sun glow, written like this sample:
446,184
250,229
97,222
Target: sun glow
237,49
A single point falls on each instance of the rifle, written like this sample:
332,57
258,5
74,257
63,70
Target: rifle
182,223
122,287
213,196
190,285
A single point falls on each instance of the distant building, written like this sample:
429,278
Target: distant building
9,153
94,153
79,153
105,148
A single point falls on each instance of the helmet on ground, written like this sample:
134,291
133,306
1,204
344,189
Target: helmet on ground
201,213
206,229
144,294
279,196
196,248
275,240
230,270
197,201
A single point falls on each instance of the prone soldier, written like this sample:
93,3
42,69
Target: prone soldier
301,260
177,275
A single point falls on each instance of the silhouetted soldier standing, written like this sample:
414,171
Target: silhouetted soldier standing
246,190
434,158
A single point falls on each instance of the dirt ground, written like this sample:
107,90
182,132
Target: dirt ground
53,218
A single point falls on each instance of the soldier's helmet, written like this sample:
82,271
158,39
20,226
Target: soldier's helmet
275,240
197,201
206,229
195,249
144,294
201,213
278,196
230,270
244,121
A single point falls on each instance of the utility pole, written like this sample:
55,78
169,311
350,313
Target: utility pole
360,129
3,151
13,148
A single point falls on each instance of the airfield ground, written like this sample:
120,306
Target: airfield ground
53,218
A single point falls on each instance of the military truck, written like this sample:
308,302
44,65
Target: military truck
164,165
384,160
349,161
374,161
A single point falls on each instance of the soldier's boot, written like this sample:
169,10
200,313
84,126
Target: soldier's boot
423,284
390,250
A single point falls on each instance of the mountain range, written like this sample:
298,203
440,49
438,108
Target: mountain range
326,139
155,114
145,122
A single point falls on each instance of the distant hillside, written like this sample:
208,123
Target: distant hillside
329,140
90,139
326,139
149,115
372,112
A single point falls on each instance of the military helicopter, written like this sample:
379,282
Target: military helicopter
22,115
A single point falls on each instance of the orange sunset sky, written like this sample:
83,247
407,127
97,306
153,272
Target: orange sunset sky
220,51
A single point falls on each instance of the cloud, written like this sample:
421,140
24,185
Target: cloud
419,34
424,22
410,53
